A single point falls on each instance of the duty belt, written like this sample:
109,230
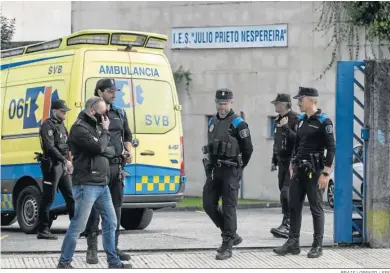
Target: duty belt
116,160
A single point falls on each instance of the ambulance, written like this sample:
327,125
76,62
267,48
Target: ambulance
34,76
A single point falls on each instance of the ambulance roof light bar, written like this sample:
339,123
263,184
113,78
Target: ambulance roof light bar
154,42
128,39
44,46
97,39
12,52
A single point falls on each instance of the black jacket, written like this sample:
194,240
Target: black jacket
89,146
284,137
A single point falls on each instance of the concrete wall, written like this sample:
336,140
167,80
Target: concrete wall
255,75
38,20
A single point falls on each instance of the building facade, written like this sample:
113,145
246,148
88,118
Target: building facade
38,20
255,71
255,74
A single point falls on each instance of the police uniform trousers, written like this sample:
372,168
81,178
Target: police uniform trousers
225,184
301,186
116,189
55,179
284,182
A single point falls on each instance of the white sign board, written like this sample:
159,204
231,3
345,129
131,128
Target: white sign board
230,37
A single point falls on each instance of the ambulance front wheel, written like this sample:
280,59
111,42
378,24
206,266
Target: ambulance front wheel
133,219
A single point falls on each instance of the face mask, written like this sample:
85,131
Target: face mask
98,117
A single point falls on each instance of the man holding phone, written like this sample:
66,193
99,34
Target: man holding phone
120,140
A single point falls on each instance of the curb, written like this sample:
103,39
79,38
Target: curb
240,207
162,250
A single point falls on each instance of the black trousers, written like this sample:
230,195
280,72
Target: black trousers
300,187
116,189
56,178
284,183
225,184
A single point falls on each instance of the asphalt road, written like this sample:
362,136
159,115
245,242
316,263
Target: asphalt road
182,230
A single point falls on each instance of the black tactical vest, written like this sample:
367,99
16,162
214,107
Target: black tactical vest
221,144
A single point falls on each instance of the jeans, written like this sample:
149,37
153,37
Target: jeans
116,190
87,196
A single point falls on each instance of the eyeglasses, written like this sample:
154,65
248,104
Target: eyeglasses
96,100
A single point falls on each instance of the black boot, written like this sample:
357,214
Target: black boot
283,230
46,235
123,256
236,241
316,249
225,249
92,249
121,266
291,246
65,266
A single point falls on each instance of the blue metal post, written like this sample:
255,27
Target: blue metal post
344,152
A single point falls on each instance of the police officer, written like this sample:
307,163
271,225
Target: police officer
284,136
55,166
120,139
228,152
310,171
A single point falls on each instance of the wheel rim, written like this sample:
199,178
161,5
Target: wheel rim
30,210
331,194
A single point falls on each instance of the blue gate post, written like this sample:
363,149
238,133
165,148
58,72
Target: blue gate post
344,223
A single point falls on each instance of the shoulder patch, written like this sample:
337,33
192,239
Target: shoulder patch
244,133
322,117
302,116
237,121
211,121
329,129
50,132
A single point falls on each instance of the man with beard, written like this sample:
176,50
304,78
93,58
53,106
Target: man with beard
228,150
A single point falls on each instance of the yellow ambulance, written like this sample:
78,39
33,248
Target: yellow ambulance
68,68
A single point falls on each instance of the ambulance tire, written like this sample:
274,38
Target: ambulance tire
27,209
8,219
136,219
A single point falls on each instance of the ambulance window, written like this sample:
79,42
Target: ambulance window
123,97
154,106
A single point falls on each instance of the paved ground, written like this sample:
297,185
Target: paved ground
332,258
174,231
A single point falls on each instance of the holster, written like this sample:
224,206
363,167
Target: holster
46,162
207,167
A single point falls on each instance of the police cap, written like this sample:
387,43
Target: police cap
282,97
222,96
306,92
59,105
109,84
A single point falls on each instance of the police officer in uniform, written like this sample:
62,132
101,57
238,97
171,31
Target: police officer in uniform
55,165
120,139
228,152
310,171
284,136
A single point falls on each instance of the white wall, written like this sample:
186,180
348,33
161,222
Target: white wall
255,75
38,20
